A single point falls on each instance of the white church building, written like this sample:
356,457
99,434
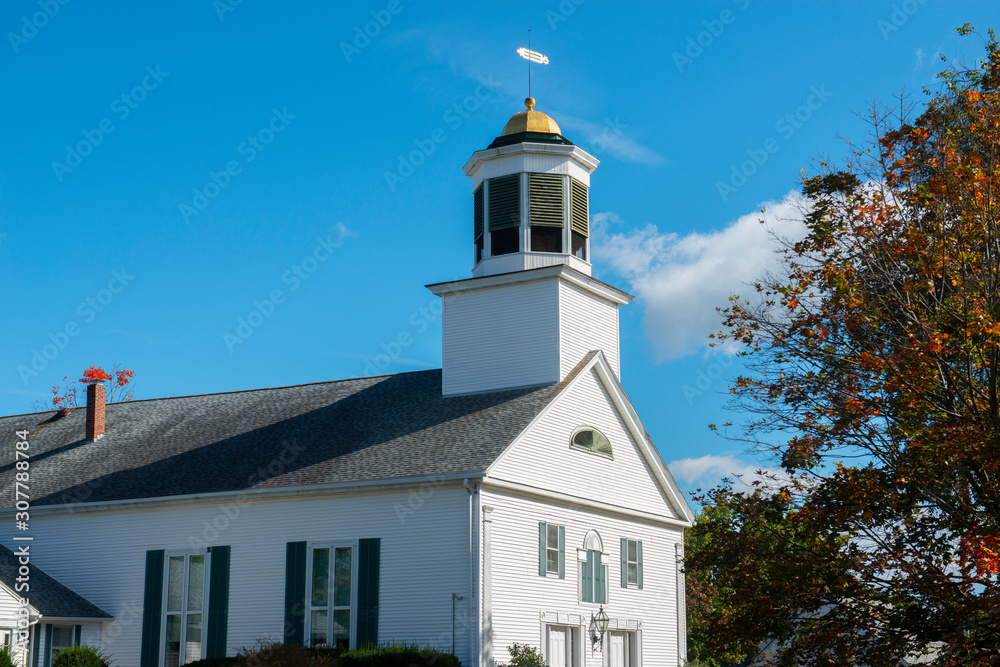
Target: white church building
513,496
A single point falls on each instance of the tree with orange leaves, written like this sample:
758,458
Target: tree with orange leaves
119,387
873,361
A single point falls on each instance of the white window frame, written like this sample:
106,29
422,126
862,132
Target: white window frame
628,542
184,659
332,546
548,528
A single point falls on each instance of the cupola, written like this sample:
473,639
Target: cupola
531,310
530,206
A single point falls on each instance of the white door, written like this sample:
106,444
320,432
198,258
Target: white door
616,650
557,648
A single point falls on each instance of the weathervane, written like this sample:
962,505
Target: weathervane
531,57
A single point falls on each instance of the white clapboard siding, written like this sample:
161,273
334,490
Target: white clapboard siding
543,458
520,595
500,337
424,558
586,322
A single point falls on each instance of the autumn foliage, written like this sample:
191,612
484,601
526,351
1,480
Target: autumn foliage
874,382
119,387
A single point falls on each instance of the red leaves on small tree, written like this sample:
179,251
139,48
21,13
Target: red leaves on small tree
118,389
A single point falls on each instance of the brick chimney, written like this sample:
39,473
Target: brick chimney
95,410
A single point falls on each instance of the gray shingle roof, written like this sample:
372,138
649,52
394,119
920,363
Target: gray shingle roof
47,595
360,429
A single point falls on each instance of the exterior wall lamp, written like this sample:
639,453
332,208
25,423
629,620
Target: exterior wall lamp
598,626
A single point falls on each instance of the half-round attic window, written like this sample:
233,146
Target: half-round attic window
592,440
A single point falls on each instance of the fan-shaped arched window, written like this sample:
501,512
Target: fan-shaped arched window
592,440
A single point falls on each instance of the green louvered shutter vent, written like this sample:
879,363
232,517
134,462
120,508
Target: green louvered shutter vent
578,207
477,214
562,552
624,563
505,202
542,545
218,603
545,200
152,609
295,593
77,634
600,586
587,573
639,554
369,553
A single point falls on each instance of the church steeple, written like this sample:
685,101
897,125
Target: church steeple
530,205
531,312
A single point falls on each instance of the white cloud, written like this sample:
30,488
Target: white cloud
608,137
707,472
681,279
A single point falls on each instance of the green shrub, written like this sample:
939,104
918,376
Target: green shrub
268,653
80,656
396,655
7,656
523,655
210,662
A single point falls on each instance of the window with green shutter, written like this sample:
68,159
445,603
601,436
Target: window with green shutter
593,571
551,549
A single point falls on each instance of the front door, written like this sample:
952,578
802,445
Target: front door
557,655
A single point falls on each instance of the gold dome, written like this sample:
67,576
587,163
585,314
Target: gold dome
530,121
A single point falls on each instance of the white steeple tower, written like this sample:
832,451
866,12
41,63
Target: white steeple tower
531,311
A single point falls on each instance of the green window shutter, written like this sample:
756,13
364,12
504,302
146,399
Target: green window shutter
588,577
295,593
545,200
77,633
369,555
639,550
505,202
477,213
600,584
152,609
37,632
562,552
579,214
47,658
624,560
541,548
218,603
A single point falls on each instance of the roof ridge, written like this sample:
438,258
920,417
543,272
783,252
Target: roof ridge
235,391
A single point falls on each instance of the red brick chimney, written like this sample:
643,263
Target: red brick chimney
95,410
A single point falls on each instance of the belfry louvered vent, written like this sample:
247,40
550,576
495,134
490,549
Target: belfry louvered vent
578,207
545,200
477,214
505,200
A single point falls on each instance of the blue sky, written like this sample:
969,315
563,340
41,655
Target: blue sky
168,170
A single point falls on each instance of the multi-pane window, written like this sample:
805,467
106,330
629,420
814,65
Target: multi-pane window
184,613
62,637
331,596
551,549
631,561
